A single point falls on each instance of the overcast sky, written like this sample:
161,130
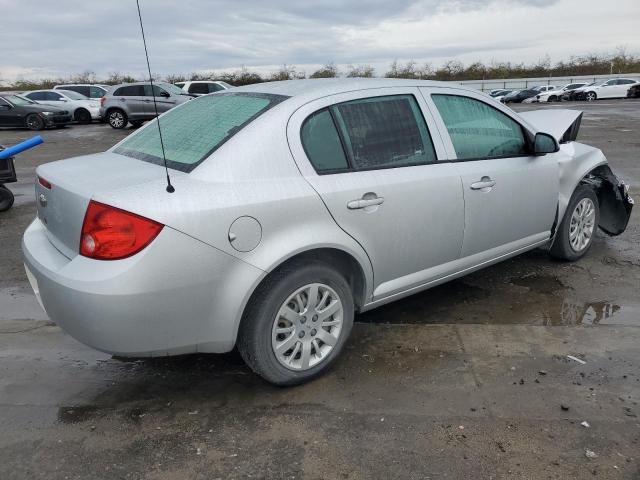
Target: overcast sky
41,38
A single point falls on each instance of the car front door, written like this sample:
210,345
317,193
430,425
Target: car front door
55,99
373,159
163,100
608,89
510,195
8,115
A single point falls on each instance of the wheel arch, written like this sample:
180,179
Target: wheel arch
358,276
588,166
79,109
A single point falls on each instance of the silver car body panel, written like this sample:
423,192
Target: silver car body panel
187,290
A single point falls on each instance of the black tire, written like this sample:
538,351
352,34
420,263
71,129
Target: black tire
82,116
562,248
137,123
552,98
591,96
6,198
34,122
117,118
255,334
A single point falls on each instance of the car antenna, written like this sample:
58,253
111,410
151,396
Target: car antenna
170,188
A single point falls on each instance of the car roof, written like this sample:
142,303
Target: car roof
80,85
310,89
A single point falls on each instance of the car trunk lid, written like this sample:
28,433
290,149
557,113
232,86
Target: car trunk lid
61,206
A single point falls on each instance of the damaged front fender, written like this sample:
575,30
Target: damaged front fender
613,198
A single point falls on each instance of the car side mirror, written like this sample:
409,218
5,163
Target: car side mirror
544,143
165,94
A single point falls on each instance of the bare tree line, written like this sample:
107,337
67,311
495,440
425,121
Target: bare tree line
619,62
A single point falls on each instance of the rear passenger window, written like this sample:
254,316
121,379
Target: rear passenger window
199,88
384,132
95,92
130,91
322,143
479,131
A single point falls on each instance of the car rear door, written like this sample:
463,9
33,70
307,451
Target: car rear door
372,156
621,87
510,195
132,99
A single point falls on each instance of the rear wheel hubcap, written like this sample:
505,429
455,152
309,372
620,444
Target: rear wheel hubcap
116,119
307,327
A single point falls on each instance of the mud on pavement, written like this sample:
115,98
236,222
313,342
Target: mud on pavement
471,379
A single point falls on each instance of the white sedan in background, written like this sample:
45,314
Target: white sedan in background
555,95
614,88
81,108
203,87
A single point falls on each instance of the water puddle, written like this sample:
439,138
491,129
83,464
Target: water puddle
527,300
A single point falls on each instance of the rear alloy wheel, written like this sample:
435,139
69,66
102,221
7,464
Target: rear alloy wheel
575,233
34,122
117,119
6,198
591,96
297,323
82,116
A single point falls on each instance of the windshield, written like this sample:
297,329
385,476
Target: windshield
72,95
197,128
18,100
171,88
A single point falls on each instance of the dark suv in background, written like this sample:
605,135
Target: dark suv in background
133,102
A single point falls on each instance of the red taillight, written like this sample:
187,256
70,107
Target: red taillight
44,183
109,233
102,100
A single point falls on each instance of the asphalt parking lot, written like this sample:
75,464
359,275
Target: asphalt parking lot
471,379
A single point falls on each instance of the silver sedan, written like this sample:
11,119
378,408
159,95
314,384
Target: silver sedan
297,204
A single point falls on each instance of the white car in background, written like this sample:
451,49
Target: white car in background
555,95
81,108
613,88
202,87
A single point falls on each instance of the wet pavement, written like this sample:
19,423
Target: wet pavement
466,380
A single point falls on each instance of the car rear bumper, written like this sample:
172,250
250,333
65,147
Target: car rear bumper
177,296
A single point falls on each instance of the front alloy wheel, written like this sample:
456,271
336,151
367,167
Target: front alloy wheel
582,225
591,96
307,327
578,227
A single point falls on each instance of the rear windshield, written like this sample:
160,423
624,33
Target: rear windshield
194,130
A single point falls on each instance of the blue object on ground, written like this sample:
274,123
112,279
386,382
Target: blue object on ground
21,147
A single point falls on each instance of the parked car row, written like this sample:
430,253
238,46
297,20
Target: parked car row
118,105
611,88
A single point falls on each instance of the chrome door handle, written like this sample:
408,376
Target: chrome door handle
485,182
364,203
